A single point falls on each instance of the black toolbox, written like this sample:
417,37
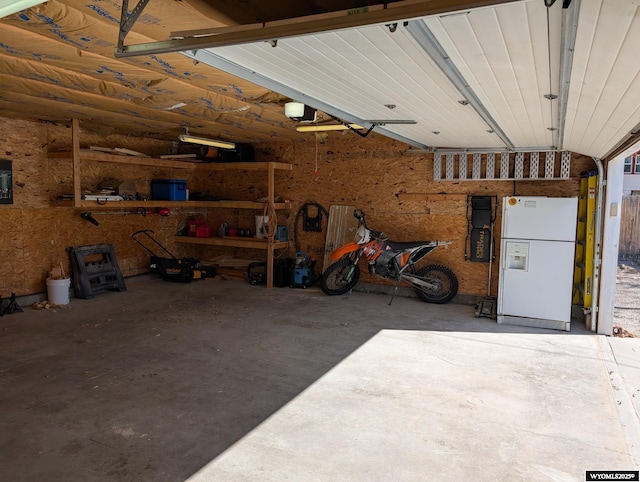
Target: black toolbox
241,153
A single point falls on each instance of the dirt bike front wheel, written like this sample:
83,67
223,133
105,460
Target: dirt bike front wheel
340,277
444,284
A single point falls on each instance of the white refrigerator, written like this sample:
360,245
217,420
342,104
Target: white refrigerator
537,261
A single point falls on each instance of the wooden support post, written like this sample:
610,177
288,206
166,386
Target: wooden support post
75,156
271,200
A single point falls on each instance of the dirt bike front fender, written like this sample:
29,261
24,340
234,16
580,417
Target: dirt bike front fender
342,250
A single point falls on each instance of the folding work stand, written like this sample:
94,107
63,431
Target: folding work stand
100,272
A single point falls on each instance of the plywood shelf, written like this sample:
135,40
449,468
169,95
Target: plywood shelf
235,242
167,204
96,156
78,156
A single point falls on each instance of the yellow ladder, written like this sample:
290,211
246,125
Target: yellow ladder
585,241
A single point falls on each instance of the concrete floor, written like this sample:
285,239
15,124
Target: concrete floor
224,381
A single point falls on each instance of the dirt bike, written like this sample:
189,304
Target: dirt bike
391,260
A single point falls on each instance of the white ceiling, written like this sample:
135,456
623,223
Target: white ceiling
506,58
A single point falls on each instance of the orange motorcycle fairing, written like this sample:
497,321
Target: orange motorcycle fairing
346,249
372,250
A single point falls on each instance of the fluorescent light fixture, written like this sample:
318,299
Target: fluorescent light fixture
9,7
206,142
329,127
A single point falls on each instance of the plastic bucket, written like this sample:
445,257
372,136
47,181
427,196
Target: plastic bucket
58,291
260,222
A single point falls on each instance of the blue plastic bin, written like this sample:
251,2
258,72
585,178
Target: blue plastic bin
169,189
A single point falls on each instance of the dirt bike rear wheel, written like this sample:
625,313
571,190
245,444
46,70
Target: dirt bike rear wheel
333,279
445,284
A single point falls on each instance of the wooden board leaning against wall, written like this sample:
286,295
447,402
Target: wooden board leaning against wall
370,173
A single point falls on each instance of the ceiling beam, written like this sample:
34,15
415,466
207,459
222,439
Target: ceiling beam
270,31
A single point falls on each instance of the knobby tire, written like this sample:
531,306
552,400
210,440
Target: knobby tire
445,280
333,282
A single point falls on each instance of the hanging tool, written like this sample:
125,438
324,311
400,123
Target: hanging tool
303,211
87,216
121,212
311,223
269,228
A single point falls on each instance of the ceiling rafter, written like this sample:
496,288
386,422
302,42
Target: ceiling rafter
61,51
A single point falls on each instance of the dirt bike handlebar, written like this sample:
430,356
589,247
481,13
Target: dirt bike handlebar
359,215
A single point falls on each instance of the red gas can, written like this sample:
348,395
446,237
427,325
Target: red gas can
192,226
203,231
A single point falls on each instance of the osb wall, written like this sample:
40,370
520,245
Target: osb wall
35,235
370,173
374,173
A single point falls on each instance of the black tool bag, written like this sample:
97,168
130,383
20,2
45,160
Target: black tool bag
282,272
